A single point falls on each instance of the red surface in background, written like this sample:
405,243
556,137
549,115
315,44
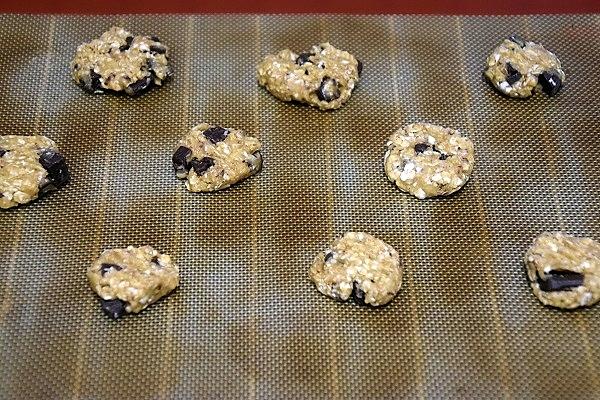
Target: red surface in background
302,6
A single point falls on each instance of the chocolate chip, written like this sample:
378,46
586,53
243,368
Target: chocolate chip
560,280
127,44
512,75
155,38
113,308
104,268
329,90
216,134
3,152
442,156
550,81
200,166
328,256
95,83
158,49
358,295
517,39
421,147
181,160
303,58
56,166
139,86
155,261
359,67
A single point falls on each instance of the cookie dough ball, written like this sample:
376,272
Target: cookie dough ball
518,68
119,61
212,158
322,77
361,266
129,280
564,271
29,167
426,160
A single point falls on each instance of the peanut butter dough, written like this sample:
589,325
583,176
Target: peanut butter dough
358,265
426,160
322,77
212,158
119,61
129,280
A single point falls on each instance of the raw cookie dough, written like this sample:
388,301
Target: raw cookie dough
426,160
323,77
129,280
358,265
212,158
119,61
29,166
518,68
564,271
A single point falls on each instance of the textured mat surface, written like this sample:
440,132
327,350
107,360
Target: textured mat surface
246,322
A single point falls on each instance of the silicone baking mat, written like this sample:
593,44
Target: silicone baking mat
246,322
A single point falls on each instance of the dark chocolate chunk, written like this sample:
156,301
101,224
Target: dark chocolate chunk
329,90
46,186
104,268
181,160
158,49
328,256
359,67
421,147
358,295
139,86
56,166
443,155
127,44
113,308
517,39
512,75
550,81
3,152
303,58
216,134
95,83
200,166
155,38
559,280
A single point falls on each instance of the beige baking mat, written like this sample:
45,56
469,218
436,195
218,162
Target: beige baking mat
246,322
